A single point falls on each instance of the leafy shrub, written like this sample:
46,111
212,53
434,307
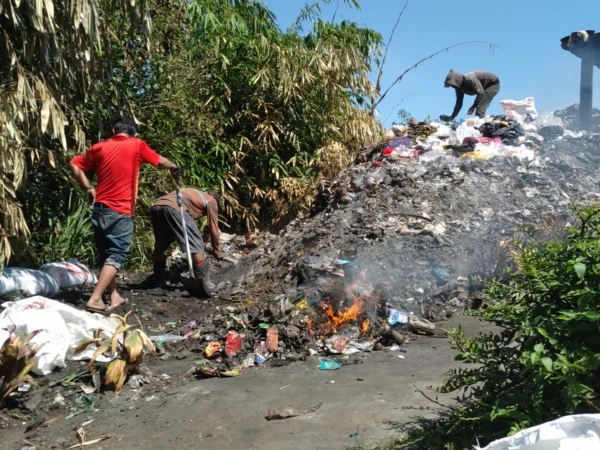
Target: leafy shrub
17,358
128,342
543,363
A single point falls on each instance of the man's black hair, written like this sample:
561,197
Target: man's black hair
125,125
216,196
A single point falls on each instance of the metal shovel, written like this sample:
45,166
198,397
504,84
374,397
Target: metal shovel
196,287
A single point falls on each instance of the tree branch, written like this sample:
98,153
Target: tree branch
387,48
414,66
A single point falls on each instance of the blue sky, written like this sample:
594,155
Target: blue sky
531,62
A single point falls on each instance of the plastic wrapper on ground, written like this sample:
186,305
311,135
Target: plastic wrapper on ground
580,432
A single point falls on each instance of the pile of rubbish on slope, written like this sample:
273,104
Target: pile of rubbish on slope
519,133
391,247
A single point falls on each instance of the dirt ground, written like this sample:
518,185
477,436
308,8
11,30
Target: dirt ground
362,403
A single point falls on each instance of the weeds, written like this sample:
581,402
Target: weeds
544,362
127,344
17,358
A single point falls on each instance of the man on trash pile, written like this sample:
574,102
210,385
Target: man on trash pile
167,227
116,162
484,85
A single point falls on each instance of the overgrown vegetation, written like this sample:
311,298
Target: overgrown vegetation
260,113
257,112
544,362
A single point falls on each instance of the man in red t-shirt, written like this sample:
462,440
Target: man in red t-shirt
116,162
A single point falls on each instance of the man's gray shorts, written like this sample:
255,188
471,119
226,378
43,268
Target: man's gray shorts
166,223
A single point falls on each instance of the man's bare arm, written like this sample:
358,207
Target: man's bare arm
83,180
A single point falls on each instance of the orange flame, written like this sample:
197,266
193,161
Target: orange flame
365,327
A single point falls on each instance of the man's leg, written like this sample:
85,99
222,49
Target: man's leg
201,266
163,237
98,222
119,232
486,100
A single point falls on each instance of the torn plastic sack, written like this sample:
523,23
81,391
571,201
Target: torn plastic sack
8,284
70,274
521,152
482,140
34,282
443,131
548,119
522,107
64,328
462,131
578,432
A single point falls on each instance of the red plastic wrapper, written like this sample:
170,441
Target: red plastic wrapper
272,340
233,343
340,343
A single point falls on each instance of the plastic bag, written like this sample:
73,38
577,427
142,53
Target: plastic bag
34,282
579,432
548,119
70,274
8,284
462,131
443,131
64,328
522,107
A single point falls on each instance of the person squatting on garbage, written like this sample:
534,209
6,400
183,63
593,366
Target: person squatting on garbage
167,227
116,162
484,85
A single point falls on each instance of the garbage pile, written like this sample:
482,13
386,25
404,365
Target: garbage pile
415,234
519,133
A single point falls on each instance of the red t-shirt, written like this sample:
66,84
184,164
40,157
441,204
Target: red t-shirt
117,163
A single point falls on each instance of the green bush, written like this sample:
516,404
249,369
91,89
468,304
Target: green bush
543,363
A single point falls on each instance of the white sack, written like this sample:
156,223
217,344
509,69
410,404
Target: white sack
70,274
34,282
8,284
522,107
462,131
64,328
579,432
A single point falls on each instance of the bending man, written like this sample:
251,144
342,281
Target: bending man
484,85
167,226
116,162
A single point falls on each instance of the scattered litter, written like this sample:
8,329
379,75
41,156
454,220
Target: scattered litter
212,348
395,316
401,357
272,340
330,365
289,412
233,343
84,399
167,338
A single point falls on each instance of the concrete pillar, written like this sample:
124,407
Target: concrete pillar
586,95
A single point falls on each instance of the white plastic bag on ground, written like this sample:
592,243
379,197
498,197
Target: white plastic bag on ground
34,282
522,107
548,119
462,131
521,152
64,328
70,274
579,432
8,284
